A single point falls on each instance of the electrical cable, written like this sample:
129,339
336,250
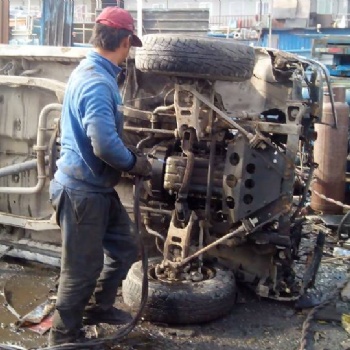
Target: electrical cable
124,331
341,224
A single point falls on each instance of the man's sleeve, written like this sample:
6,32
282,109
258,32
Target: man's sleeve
96,107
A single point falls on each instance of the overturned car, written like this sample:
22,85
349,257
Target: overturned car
223,125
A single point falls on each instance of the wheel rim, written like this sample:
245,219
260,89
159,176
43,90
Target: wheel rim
207,273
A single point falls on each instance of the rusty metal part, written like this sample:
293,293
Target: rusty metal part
137,113
245,168
240,231
231,123
151,210
157,159
181,206
161,132
305,192
174,174
4,21
295,111
275,128
176,246
190,111
330,154
249,226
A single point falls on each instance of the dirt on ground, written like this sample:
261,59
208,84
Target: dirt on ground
253,324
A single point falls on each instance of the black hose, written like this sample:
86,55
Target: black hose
305,192
341,224
124,331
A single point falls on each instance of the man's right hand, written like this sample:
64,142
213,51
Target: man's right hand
142,166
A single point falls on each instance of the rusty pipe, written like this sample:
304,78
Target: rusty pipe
40,149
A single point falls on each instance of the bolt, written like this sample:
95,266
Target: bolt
282,255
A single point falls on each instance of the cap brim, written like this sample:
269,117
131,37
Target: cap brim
136,41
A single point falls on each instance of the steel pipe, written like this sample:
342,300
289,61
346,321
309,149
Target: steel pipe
150,210
149,131
20,167
40,149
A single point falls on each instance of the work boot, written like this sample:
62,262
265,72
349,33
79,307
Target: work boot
112,315
57,337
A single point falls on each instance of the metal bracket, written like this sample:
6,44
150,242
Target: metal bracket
176,246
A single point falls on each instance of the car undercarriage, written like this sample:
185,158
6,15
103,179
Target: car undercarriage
226,129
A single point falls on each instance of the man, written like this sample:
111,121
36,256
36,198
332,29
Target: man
97,245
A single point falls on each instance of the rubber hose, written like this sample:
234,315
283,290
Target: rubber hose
341,224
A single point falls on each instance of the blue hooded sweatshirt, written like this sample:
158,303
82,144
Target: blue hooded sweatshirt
92,152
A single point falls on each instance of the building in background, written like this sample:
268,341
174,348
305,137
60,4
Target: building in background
239,13
246,20
245,13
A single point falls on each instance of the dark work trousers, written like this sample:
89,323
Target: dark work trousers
98,248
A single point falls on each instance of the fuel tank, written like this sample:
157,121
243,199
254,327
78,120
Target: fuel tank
330,153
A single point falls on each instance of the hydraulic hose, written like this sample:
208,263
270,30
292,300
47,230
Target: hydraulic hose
124,331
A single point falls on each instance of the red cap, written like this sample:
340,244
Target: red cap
118,18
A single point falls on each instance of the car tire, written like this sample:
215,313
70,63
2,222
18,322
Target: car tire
181,302
195,57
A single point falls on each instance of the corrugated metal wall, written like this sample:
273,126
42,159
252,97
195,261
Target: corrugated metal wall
194,21
4,21
57,22
106,3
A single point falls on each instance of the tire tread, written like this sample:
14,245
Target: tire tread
196,57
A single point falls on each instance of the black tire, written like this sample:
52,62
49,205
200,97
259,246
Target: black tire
205,58
181,303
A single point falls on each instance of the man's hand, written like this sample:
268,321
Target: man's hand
142,166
